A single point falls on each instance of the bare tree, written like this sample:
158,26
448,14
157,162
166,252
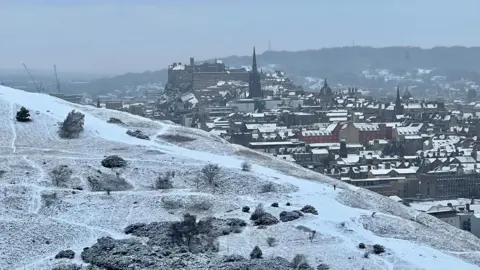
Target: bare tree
210,173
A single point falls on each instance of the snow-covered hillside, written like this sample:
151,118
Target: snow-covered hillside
38,219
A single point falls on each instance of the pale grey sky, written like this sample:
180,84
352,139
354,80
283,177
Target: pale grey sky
121,36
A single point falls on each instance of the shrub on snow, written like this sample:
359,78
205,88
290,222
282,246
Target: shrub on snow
269,187
256,253
300,262
271,241
378,249
266,219
60,175
309,209
323,266
72,126
114,161
114,120
286,216
245,209
260,217
259,211
23,115
164,181
246,167
138,134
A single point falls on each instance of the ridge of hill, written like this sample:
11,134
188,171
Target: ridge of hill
38,218
342,64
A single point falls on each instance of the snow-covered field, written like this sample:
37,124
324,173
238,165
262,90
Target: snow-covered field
39,219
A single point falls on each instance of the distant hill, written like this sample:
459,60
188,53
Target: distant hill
343,64
120,82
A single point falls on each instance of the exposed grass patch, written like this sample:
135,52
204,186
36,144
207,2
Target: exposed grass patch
176,138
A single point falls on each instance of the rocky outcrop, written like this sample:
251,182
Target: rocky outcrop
65,254
171,245
277,263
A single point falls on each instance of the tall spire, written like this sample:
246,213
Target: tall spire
254,85
398,103
254,62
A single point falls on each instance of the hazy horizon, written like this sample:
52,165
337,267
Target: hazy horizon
110,37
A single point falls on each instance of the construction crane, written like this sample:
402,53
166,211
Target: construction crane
39,88
56,78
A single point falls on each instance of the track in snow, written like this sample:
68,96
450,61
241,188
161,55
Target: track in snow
12,125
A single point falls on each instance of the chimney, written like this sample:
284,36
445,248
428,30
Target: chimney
192,61
388,165
467,206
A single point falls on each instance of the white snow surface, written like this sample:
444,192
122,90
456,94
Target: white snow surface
32,232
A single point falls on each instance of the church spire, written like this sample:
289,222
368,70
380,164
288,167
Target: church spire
255,88
398,103
254,62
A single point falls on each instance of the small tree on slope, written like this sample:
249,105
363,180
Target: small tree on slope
23,115
72,126
210,173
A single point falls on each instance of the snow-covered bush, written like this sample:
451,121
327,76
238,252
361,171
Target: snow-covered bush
67,267
60,175
378,249
259,211
72,126
203,205
114,120
271,241
164,181
176,138
274,204
246,167
138,134
256,253
300,262
171,203
266,219
108,183
286,216
323,266
23,115
245,209
361,246
309,209
114,161
269,187
48,198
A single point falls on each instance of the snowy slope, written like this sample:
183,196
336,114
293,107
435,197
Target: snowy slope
33,232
